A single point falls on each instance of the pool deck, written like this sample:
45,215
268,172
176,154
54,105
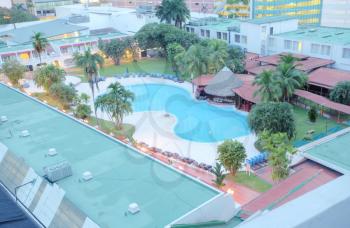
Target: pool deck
156,130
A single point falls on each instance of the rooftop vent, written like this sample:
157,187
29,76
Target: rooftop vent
87,175
312,30
3,118
52,152
326,36
133,208
58,171
25,133
339,33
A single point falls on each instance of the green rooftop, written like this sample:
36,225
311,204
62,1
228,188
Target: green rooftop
266,20
217,24
333,154
326,35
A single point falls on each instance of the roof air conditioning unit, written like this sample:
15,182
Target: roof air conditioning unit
133,208
3,118
25,133
58,171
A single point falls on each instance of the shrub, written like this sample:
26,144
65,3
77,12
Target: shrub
46,76
231,155
312,114
14,71
219,175
82,111
65,93
341,93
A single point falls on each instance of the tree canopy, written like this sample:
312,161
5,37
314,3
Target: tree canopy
114,49
47,75
14,70
173,10
279,149
272,117
341,93
39,43
231,154
116,103
15,15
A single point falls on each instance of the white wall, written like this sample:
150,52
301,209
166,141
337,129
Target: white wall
6,3
336,13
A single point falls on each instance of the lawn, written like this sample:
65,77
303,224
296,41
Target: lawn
303,124
108,126
253,182
149,65
50,100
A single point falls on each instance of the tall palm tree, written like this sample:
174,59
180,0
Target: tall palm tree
39,43
195,61
116,103
268,88
217,55
173,10
289,78
90,63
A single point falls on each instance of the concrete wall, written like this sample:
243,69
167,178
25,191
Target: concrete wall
45,201
335,13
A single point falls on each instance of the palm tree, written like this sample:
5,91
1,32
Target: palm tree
116,103
289,78
217,55
90,63
173,10
268,89
39,43
195,60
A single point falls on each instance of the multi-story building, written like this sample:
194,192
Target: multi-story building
6,3
44,8
335,13
307,11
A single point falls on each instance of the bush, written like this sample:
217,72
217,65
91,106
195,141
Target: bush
82,111
46,76
341,93
231,155
66,94
272,117
312,114
14,71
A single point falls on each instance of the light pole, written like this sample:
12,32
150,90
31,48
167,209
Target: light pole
22,185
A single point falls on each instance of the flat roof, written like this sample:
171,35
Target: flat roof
217,24
121,175
325,35
267,20
333,153
49,29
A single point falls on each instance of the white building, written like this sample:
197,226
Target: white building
336,13
6,4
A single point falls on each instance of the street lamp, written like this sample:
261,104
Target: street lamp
22,185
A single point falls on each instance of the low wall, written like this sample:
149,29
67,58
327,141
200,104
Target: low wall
45,201
221,208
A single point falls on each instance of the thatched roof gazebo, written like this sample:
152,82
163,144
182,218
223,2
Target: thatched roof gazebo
223,83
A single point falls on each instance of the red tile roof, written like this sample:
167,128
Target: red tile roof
202,80
247,90
327,77
323,101
251,60
259,69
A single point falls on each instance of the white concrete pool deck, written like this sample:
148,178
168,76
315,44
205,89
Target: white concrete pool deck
156,129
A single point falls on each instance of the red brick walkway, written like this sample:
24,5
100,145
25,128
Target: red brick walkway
307,176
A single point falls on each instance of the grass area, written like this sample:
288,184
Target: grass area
303,124
253,182
108,126
49,100
149,65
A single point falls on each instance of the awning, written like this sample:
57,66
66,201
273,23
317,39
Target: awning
323,101
327,77
223,83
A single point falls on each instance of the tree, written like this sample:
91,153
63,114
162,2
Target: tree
272,117
116,103
217,55
236,59
65,93
14,71
173,10
231,155
131,45
312,114
155,35
15,15
341,93
90,63
114,49
82,110
39,43
47,75
173,50
279,149
288,77
268,88
219,175
194,61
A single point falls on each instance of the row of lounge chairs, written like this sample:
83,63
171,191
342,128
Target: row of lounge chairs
258,160
178,157
152,75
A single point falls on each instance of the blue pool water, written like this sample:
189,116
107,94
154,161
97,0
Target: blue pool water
196,120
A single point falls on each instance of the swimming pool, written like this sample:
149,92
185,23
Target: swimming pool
121,175
196,120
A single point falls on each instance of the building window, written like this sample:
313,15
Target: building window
325,50
244,39
271,41
218,35
346,53
192,30
271,31
292,45
208,33
202,32
320,49
315,48
288,44
187,29
237,38
224,35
